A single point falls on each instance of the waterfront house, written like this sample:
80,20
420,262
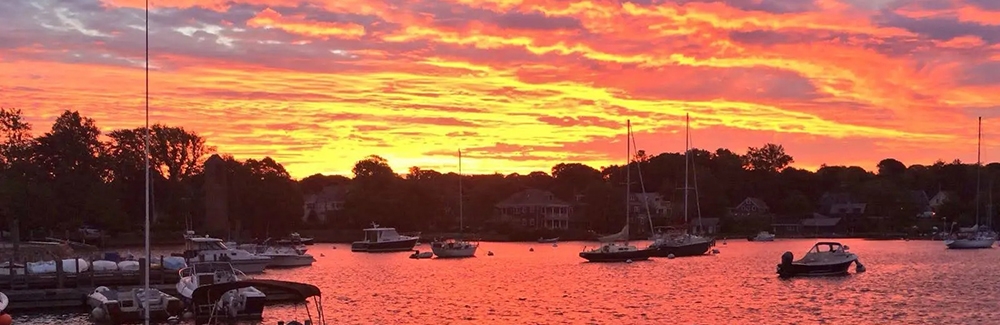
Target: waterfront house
323,207
535,209
845,207
649,207
751,208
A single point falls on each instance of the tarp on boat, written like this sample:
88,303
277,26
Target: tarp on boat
211,294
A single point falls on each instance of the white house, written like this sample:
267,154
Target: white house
320,205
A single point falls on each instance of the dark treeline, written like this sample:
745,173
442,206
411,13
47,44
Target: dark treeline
73,175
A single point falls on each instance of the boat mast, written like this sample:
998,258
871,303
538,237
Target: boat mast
686,152
628,175
979,145
461,212
145,286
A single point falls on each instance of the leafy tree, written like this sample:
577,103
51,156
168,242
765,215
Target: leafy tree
890,167
770,158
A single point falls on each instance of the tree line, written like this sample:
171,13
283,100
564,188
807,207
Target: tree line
74,175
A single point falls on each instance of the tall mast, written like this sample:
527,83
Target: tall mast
686,152
628,175
461,212
145,286
979,145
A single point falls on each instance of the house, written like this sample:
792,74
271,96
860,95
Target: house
845,207
940,199
923,204
658,208
751,207
321,206
821,224
704,226
534,208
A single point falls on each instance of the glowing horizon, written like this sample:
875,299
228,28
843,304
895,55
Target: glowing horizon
519,85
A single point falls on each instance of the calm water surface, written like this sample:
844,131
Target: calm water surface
908,282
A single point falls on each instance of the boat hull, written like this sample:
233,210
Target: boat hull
256,266
278,261
969,243
798,269
621,256
691,249
128,311
383,247
444,252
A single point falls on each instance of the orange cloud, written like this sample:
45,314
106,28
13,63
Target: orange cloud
521,84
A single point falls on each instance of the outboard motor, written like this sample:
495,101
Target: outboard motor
786,264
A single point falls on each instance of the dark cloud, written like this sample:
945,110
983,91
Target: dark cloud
943,29
772,6
983,74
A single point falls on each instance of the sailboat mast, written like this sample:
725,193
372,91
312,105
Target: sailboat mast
628,175
145,282
686,152
461,211
979,146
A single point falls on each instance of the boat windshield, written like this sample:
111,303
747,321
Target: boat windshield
826,248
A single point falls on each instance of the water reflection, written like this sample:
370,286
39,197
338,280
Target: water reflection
914,282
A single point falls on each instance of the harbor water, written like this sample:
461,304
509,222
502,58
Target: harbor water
907,282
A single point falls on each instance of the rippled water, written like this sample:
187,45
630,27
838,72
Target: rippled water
908,282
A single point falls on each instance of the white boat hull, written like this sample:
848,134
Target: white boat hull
969,243
4,301
290,260
444,252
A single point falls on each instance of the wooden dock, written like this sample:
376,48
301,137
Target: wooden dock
76,298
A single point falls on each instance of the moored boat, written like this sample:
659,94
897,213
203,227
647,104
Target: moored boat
229,302
824,259
548,240
286,256
379,239
761,236
207,249
127,307
458,247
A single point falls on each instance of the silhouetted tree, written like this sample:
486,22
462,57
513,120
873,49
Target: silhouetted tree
770,158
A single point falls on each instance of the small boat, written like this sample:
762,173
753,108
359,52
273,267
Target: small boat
207,249
454,248
230,302
286,256
126,307
824,259
418,255
295,239
548,240
761,236
970,238
378,239
679,243
4,301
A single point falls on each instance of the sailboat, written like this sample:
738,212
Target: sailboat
615,247
977,236
680,244
456,248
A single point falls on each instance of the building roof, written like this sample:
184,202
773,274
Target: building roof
532,197
755,201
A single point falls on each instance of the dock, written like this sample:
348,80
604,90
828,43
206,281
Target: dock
76,298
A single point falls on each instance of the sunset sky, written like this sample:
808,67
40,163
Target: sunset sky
520,85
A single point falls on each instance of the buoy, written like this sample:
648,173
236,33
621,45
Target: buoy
489,253
555,245
532,249
628,261
670,256
98,313
5,319
322,255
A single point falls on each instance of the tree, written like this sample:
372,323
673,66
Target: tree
373,167
770,158
890,167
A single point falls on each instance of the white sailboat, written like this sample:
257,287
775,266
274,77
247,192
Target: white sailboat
456,248
975,237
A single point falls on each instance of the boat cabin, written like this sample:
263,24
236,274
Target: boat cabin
213,249
378,234
208,273
827,247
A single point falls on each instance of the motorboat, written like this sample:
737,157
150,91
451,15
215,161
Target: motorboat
548,240
679,244
379,239
217,310
128,307
295,239
238,302
824,259
761,236
286,256
4,301
207,249
454,248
